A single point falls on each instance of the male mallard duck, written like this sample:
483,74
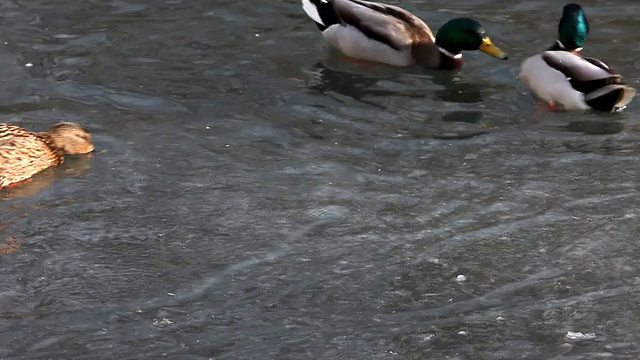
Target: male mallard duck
388,34
561,76
24,153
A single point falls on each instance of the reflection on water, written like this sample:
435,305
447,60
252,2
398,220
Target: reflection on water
72,167
352,85
261,197
359,81
9,246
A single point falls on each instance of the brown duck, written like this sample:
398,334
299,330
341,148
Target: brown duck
24,153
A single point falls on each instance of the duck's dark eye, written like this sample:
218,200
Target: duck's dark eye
473,34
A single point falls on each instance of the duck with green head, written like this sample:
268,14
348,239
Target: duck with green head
389,34
563,78
573,29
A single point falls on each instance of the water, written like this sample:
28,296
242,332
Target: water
254,197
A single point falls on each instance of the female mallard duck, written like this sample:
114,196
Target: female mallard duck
388,34
24,153
561,77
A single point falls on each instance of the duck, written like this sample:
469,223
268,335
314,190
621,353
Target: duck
388,34
24,153
563,78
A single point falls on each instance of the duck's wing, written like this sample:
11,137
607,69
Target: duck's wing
600,64
576,67
388,24
18,146
9,134
585,75
603,88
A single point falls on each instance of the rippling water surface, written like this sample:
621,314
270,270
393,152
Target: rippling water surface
256,197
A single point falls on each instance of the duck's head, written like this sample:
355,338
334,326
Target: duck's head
573,28
71,138
461,34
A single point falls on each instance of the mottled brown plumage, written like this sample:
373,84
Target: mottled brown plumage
24,153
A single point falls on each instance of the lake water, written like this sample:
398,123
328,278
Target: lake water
254,196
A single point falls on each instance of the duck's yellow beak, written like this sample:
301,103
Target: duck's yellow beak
488,47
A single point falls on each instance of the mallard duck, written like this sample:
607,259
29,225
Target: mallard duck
24,153
389,34
561,77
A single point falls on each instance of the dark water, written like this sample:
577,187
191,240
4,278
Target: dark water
257,198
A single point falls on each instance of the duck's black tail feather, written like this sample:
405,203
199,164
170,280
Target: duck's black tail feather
610,97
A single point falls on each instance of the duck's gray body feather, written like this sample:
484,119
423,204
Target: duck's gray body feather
374,31
603,88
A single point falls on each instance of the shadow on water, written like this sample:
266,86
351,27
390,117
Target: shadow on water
597,127
455,90
471,117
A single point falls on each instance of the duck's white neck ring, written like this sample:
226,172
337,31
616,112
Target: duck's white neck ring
449,54
565,48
